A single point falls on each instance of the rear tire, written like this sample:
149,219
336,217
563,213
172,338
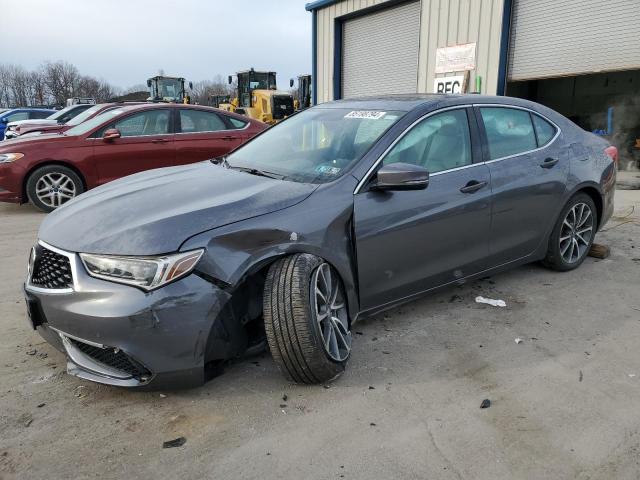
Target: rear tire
52,186
572,234
309,340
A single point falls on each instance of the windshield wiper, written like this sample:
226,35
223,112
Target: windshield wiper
255,171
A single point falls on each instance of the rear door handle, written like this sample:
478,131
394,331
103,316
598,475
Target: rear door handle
473,186
549,162
228,138
159,140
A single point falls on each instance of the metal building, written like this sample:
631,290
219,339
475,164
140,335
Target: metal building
580,57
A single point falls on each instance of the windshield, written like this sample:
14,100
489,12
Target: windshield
60,113
314,146
81,117
94,122
166,88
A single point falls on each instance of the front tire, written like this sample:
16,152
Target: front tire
52,186
306,319
572,234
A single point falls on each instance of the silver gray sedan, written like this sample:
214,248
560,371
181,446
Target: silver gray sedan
339,212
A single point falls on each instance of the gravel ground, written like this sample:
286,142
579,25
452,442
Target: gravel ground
564,402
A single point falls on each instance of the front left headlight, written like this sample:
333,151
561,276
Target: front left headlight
147,273
10,157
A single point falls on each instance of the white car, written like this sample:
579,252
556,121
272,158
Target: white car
61,116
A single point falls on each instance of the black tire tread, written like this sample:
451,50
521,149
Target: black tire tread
291,332
553,259
38,172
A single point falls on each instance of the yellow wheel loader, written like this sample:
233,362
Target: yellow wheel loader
259,98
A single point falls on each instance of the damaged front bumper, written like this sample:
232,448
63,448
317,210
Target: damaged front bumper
120,335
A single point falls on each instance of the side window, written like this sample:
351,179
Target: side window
15,117
544,130
237,123
440,142
509,131
150,122
200,121
39,115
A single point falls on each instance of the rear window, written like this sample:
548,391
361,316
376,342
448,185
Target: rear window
544,130
509,131
194,121
236,123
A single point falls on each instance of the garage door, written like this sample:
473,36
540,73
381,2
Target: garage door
380,52
568,37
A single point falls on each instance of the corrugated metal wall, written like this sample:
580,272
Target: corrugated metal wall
443,23
325,34
568,37
391,67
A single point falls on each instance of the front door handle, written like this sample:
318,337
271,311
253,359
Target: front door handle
159,140
549,162
473,186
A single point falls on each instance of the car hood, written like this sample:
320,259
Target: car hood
24,123
154,212
36,142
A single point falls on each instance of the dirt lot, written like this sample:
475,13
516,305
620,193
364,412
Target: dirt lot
565,402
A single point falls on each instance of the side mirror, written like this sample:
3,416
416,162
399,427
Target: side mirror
401,176
111,134
4,120
149,83
291,83
230,80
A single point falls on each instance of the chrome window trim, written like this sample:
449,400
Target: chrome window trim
366,177
515,107
74,273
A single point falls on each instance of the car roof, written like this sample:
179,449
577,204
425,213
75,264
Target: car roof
125,107
408,102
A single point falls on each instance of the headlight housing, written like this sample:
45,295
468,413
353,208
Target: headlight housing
10,157
147,273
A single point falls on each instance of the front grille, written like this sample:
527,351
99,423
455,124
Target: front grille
51,269
282,106
113,358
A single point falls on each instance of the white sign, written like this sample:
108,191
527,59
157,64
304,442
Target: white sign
448,84
456,59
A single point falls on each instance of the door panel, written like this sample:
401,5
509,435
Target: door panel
527,187
410,241
141,147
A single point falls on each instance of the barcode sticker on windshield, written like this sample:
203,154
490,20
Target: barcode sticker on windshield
366,114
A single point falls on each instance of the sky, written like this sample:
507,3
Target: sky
127,41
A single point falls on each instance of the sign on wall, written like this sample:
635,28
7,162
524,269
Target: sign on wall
456,59
455,84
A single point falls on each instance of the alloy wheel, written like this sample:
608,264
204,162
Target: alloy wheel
330,311
55,189
576,233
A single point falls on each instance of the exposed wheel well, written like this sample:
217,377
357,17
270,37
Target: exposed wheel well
597,200
25,199
246,302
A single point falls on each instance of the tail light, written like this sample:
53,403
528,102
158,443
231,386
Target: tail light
612,153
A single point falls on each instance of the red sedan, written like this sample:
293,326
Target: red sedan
49,170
